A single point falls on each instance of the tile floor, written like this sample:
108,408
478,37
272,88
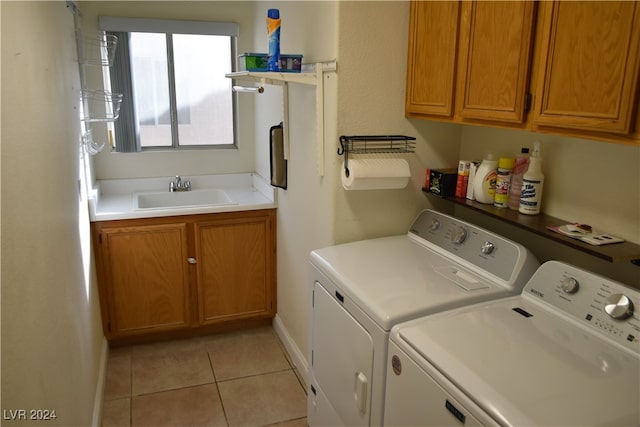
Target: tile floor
241,378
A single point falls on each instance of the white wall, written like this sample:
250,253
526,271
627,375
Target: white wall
586,181
52,338
304,209
372,50
364,96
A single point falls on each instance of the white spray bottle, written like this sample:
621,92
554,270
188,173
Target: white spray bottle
532,180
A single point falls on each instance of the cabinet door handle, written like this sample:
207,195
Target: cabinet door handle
191,260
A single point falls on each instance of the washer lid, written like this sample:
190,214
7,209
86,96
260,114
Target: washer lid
525,365
394,279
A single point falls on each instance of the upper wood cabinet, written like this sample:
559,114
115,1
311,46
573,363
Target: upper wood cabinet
432,58
469,58
495,53
574,64
589,62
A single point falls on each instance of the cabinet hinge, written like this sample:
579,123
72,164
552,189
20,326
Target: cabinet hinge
527,102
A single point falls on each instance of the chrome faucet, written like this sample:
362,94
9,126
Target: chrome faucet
178,185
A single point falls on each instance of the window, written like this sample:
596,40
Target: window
172,75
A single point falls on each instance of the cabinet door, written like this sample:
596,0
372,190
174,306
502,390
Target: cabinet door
431,61
590,57
495,57
235,268
147,279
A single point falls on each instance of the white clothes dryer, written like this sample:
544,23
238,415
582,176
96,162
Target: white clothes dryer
566,352
362,289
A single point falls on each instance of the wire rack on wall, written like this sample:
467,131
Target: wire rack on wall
364,144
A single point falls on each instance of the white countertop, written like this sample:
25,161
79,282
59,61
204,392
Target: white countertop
113,199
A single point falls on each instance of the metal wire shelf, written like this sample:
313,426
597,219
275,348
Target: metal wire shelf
365,144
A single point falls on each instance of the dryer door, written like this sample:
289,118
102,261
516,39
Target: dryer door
342,357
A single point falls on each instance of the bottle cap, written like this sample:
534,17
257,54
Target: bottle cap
506,163
273,14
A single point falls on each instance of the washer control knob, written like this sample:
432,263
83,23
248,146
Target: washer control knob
618,306
435,224
487,247
459,236
569,285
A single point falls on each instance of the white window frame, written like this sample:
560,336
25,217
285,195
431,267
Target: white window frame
128,25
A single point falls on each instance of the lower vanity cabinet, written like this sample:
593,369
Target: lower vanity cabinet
173,275
235,269
144,278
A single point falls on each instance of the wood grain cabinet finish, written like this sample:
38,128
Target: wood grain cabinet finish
469,59
234,269
567,67
173,275
589,58
432,58
145,273
495,57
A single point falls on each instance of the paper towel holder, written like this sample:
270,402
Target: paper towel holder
364,144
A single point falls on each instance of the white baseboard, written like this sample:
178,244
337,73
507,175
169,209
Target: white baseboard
102,375
297,357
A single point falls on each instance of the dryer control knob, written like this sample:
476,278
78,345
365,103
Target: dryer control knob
569,285
487,247
435,224
618,306
459,236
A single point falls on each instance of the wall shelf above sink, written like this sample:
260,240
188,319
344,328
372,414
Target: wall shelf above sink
315,77
273,78
616,252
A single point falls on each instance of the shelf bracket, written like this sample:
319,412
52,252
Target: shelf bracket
320,118
315,78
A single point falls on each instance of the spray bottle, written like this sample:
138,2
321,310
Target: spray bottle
522,162
532,180
273,31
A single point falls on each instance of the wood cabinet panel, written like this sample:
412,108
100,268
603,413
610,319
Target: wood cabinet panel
590,58
234,267
574,65
495,56
147,278
178,276
433,46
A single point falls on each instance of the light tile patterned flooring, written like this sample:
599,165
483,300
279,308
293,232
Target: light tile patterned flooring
241,378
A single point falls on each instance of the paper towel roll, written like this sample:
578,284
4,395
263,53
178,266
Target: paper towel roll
375,174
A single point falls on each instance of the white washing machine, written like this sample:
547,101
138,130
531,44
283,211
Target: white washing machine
566,352
361,289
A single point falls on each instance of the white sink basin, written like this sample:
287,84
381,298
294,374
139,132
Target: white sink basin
181,199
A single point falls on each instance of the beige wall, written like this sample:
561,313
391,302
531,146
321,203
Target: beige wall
52,338
372,53
586,181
